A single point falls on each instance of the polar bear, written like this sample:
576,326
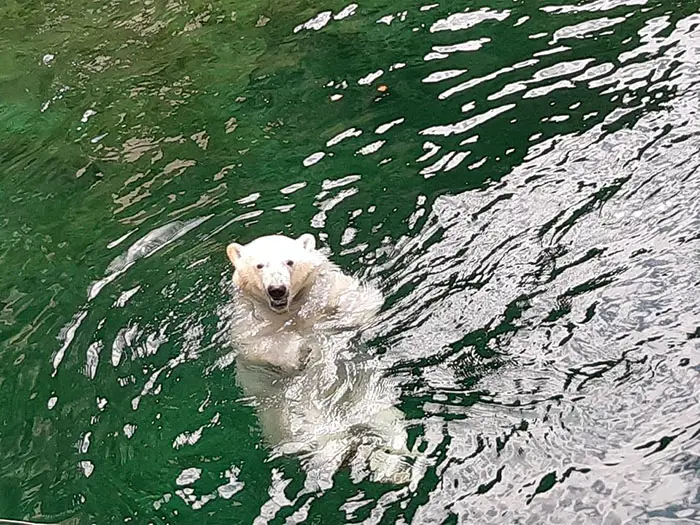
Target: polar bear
295,321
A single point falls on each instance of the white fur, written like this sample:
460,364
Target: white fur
314,395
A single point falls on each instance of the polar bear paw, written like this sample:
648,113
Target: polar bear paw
389,466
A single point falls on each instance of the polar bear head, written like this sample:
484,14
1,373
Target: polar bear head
275,269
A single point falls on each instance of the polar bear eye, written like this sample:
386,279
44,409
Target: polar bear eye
290,263
260,266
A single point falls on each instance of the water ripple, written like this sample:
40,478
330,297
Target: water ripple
522,182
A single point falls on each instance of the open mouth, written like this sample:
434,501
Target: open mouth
278,305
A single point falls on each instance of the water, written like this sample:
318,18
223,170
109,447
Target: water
521,180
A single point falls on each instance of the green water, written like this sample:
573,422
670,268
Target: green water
539,261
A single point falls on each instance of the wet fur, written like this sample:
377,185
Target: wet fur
283,360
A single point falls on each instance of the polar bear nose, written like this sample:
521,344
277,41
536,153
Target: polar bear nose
277,292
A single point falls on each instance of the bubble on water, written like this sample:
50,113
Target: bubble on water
87,114
313,158
87,467
189,476
129,430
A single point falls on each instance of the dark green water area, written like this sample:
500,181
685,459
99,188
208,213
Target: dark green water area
521,179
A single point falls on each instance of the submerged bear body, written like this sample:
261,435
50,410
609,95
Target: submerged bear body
295,322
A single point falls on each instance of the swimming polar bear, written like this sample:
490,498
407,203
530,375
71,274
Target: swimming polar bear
295,319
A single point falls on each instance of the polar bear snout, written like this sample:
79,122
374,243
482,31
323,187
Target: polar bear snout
278,295
277,291
277,287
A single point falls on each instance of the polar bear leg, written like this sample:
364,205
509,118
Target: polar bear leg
389,464
323,463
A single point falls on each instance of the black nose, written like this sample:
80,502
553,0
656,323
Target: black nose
277,292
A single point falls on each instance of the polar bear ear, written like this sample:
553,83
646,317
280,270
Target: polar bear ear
307,241
233,251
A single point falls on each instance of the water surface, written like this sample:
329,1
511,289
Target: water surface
522,179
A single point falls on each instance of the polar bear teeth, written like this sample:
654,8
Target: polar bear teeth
278,304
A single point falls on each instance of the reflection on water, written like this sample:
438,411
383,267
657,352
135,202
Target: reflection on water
583,300
521,181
